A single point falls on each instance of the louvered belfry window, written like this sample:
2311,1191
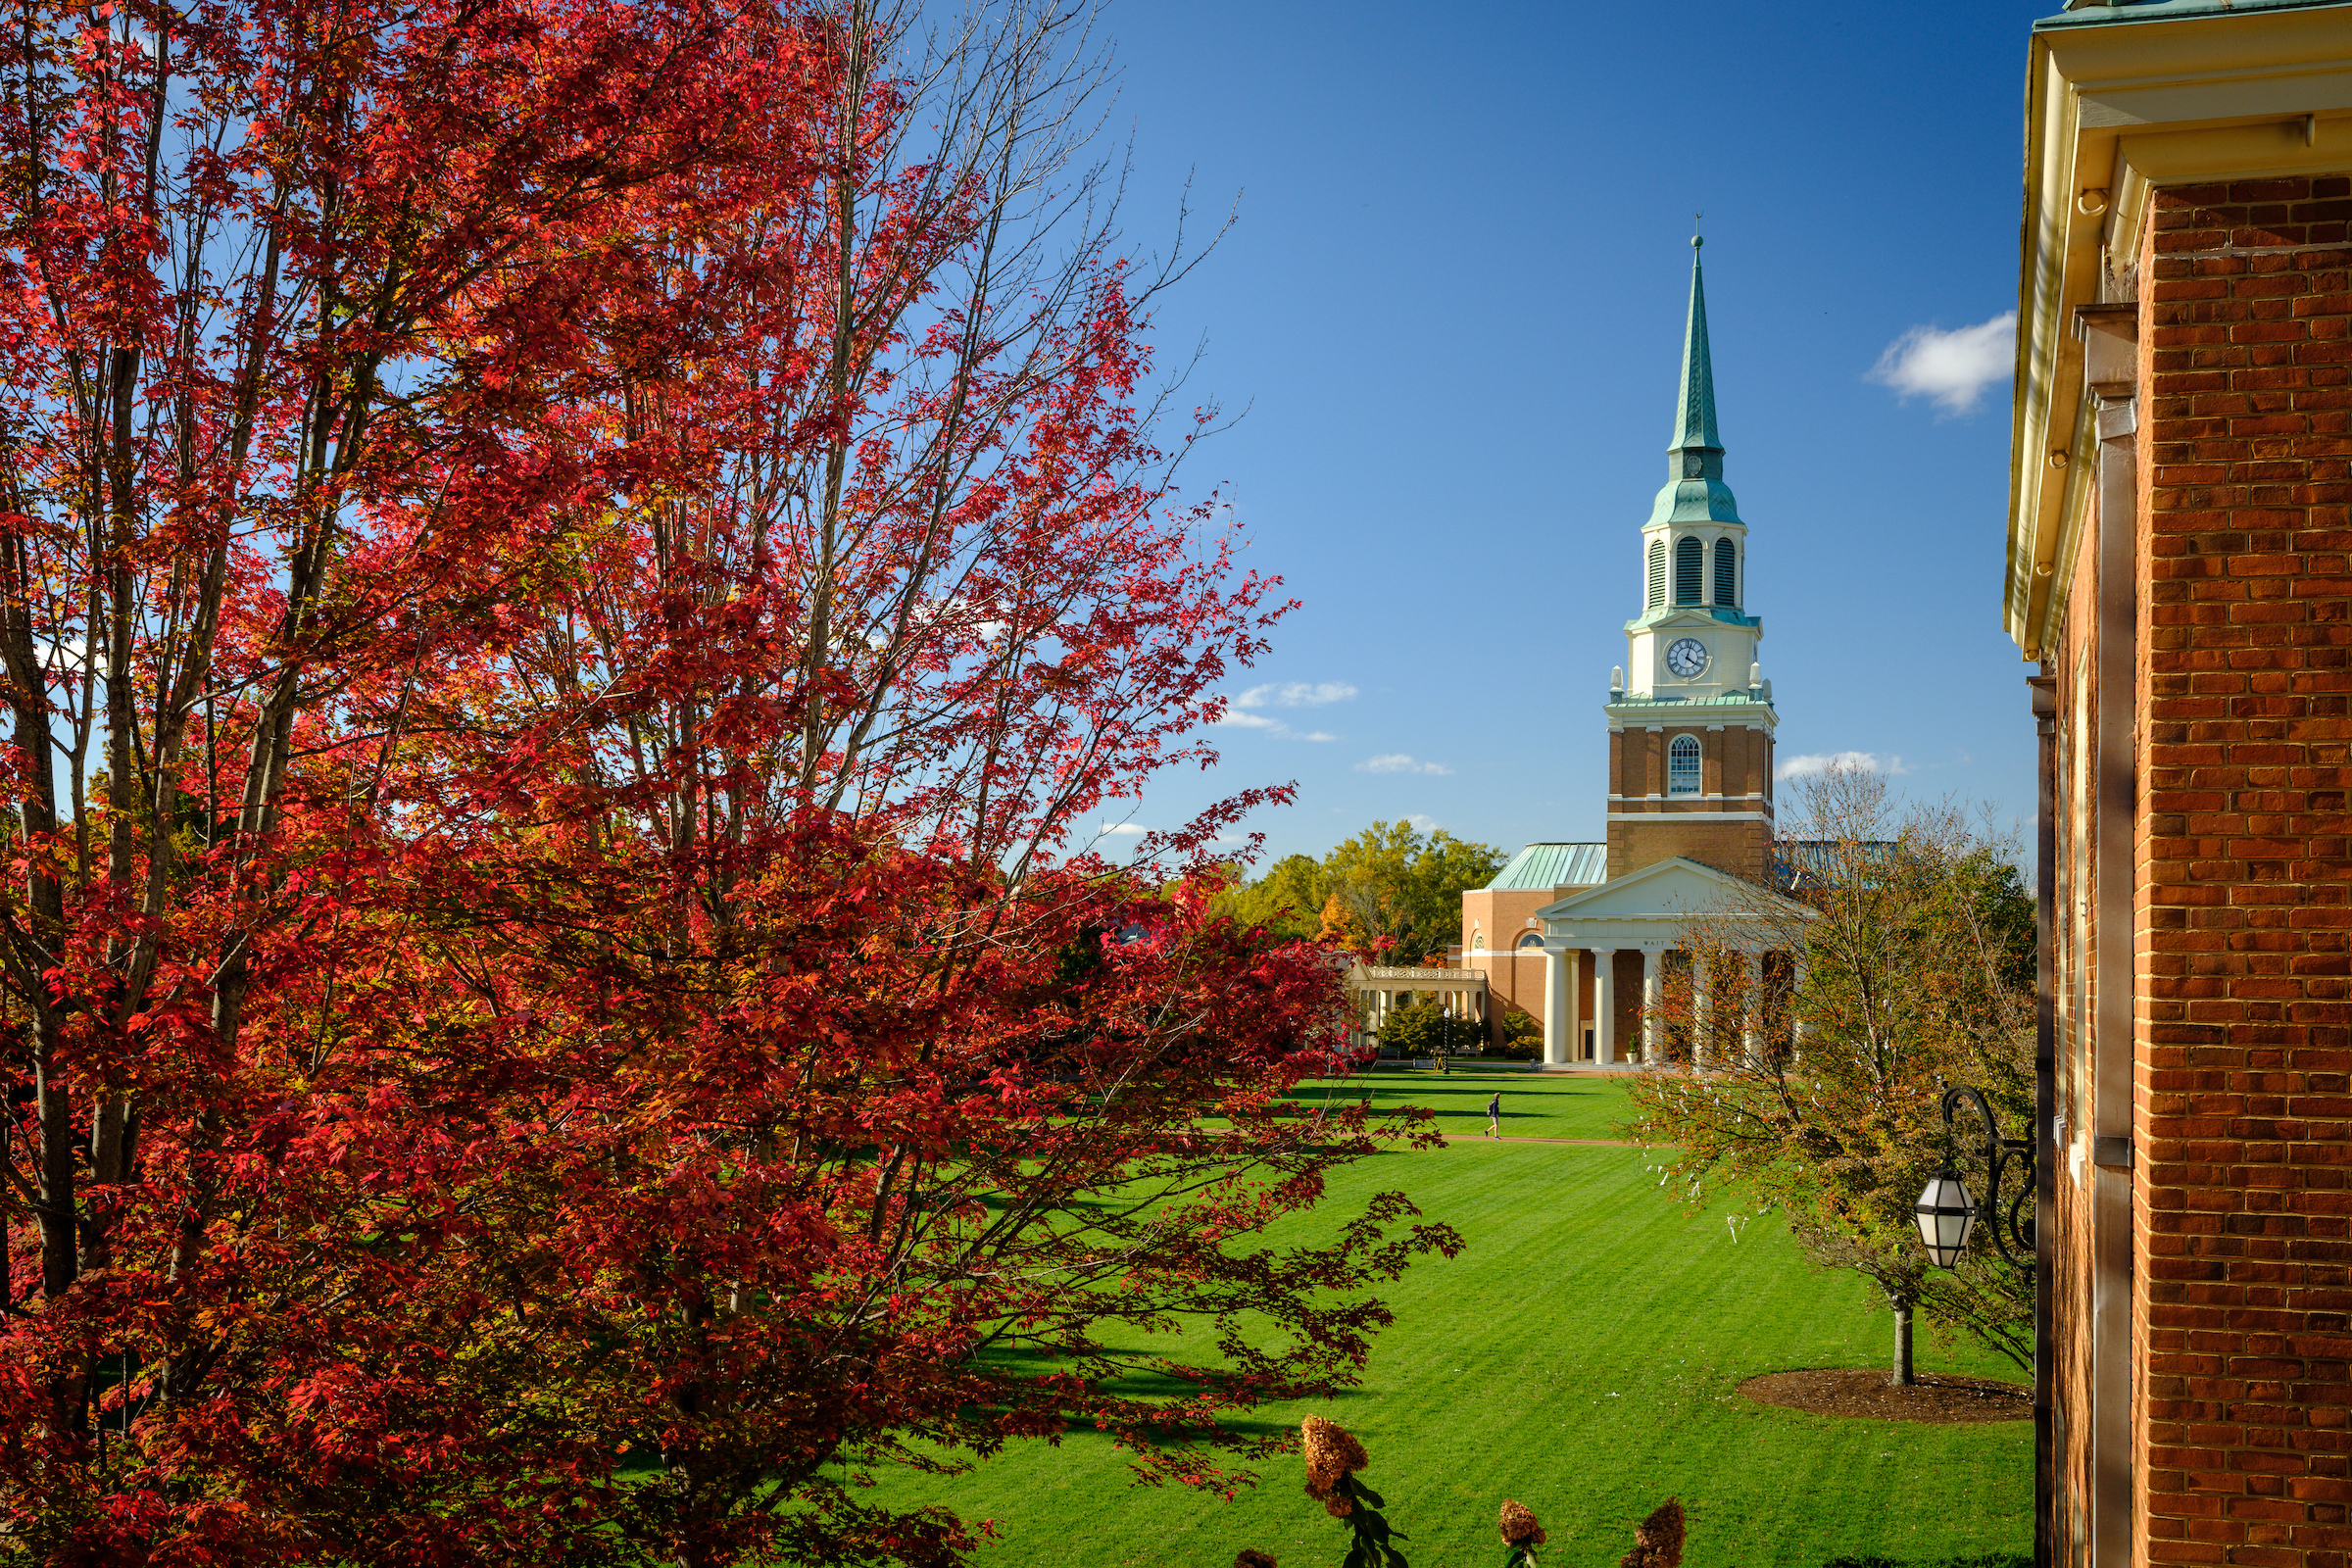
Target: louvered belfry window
1726,572
1689,566
1657,572
1682,766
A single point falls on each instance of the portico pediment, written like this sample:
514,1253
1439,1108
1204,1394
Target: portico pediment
1664,895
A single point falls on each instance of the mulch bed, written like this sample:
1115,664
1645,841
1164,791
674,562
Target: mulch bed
1933,1398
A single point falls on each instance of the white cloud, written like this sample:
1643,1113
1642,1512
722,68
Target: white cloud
1823,761
1954,367
1123,830
1423,823
1400,762
1295,694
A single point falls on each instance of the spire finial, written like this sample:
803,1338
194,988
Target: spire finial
1695,240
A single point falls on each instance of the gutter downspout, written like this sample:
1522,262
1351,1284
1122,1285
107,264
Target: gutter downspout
2045,1109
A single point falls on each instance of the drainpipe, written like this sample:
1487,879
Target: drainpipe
2045,1110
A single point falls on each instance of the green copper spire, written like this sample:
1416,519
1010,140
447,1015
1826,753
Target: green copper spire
1695,416
1695,489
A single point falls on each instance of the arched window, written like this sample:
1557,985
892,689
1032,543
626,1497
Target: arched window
1726,572
1657,572
1689,566
1682,766
1478,940
1531,940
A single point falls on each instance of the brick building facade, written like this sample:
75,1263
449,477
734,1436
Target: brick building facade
2181,571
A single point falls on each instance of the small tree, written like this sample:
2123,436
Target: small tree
1424,1030
1917,944
1522,1035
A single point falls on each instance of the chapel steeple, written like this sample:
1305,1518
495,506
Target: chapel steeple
1691,714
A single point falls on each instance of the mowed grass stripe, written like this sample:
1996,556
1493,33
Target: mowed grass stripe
1534,1104
1583,1355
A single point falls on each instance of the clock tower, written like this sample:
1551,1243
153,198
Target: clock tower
1691,714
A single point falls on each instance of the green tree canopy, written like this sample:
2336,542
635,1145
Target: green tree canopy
1393,894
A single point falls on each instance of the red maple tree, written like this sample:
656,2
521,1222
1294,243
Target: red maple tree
567,592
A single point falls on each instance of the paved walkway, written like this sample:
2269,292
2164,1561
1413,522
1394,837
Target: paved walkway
1583,1143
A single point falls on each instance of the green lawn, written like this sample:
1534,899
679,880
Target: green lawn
1534,1104
1581,1354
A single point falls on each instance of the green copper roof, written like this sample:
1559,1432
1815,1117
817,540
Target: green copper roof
1694,500
1553,866
2095,14
1694,421
1737,696
1723,613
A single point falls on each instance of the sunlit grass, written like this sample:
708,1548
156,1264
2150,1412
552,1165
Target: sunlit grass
1534,1104
1582,1354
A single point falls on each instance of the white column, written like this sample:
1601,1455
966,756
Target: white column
1796,1023
1702,1012
1753,1014
1604,1005
1559,1003
1650,1006
1751,1023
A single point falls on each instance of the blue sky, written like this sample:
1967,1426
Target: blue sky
1452,305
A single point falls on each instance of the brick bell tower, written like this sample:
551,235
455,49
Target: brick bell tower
1691,714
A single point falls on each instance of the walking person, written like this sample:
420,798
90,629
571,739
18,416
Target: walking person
1494,1115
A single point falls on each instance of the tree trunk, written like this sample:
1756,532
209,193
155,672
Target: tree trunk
1903,1378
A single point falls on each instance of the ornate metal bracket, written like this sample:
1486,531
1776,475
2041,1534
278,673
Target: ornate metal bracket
2012,1225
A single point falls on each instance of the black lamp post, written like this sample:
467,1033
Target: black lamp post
1947,1212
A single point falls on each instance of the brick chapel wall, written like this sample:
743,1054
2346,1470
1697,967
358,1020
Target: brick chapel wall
2243,1080
1732,761
1512,980
1738,848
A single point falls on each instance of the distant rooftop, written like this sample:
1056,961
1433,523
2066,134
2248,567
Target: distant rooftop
1544,866
2103,13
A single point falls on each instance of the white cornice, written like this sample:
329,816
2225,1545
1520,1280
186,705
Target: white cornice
2113,111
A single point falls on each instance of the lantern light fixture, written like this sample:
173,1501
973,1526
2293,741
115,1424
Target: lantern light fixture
1945,1213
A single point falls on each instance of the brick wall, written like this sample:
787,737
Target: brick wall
1733,761
2243,1076
1512,980
1738,848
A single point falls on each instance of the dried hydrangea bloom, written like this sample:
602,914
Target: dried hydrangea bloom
1251,1557
1658,1543
1331,1454
1518,1525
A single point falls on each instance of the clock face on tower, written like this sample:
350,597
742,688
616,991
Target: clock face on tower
1687,656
